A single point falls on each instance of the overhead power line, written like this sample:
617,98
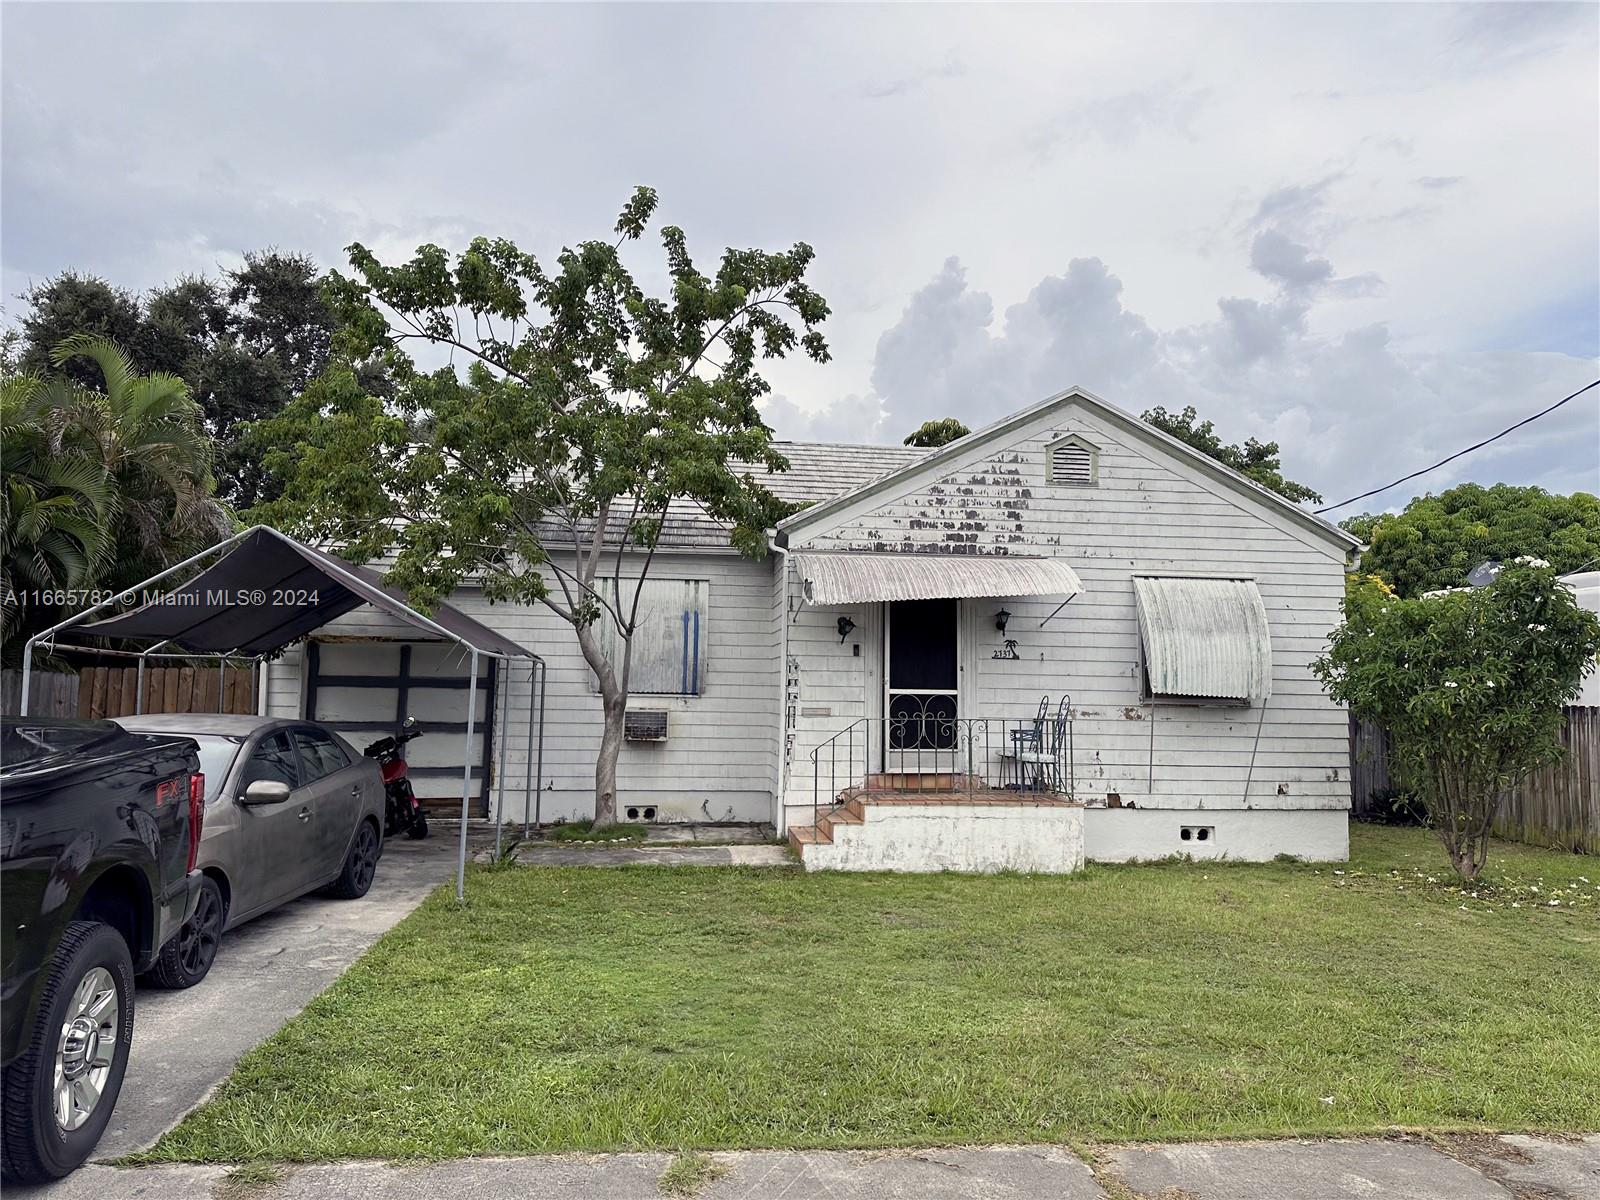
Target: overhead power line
1459,453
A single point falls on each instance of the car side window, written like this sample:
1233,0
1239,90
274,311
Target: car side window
319,754
273,758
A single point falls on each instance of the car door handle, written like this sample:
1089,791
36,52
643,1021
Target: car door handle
305,814
356,791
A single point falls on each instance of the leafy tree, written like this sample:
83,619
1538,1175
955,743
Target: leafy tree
1260,461
590,411
244,344
76,304
940,432
1469,685
103,486
1439,539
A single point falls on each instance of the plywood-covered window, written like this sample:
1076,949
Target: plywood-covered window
669,643
1072,461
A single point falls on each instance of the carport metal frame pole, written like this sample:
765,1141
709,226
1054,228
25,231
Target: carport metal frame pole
531,811
500,770
138,696
466,777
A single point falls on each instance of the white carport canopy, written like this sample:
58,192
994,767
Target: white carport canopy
1204,637
846,578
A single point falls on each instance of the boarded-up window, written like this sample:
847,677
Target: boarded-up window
669,643
1073,462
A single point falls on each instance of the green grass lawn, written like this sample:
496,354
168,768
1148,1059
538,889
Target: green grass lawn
702,1008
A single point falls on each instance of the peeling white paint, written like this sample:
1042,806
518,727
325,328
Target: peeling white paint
956,837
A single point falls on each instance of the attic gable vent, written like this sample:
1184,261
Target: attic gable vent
1073,462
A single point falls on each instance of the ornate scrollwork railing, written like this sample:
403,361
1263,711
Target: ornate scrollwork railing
921,745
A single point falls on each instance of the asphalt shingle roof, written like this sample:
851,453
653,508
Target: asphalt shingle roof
817,471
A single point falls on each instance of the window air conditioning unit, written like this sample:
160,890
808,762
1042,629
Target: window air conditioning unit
645,725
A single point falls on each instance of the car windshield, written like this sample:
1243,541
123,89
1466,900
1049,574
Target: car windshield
217,752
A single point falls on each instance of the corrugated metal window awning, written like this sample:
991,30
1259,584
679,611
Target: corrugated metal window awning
1204,638
845,578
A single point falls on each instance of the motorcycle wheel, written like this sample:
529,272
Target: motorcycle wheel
419,827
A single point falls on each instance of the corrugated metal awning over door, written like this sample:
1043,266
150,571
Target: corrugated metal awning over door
1204,638
845,578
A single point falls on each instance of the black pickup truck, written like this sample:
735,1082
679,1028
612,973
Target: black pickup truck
99,830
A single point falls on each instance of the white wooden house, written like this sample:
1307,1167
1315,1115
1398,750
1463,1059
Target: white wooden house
1178,605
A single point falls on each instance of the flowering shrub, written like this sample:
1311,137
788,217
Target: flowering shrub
1469,685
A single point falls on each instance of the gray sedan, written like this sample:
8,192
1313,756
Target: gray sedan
290,807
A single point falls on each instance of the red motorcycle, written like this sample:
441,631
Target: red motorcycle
402,809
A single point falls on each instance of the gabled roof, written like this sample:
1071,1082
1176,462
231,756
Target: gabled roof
933,461
817,471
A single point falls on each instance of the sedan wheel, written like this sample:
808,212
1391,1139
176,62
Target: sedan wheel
187,958
366,856
360,864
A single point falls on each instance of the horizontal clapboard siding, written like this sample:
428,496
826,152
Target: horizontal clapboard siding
721,754
1147,512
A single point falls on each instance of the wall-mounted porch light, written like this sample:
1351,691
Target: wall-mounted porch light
1001,620
846,625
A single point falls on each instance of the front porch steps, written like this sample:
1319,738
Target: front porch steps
844,834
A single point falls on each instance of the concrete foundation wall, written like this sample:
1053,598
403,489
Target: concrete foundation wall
956,837
1129,834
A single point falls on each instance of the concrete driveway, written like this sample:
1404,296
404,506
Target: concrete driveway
186,1043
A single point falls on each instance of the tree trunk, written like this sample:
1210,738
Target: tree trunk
614,706
1466,864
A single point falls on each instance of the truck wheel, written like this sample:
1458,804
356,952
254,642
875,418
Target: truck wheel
59,1092
360,865
187,958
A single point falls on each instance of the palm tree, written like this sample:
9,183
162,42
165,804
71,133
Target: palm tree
102,488
55,510
148,436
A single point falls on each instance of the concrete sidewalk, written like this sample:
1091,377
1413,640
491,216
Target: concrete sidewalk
691,844
1476,1167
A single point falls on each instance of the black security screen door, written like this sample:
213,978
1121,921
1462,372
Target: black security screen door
923,681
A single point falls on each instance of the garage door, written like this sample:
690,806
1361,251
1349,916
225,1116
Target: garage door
365,689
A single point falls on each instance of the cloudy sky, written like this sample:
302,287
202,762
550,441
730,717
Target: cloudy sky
1371,233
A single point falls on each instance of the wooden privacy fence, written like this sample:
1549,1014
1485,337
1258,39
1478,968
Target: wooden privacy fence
114,691
55,693
1556,806
1560,805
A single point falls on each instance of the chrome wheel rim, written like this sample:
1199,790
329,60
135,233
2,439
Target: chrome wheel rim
86,1048
201,934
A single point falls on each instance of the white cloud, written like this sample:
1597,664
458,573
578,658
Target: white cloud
1369,231
1351,411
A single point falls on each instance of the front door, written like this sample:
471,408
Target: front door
923,685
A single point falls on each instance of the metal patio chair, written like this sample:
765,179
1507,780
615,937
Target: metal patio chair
1030,746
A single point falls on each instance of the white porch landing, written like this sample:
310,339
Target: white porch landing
985,831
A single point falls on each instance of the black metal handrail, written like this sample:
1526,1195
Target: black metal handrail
930,751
